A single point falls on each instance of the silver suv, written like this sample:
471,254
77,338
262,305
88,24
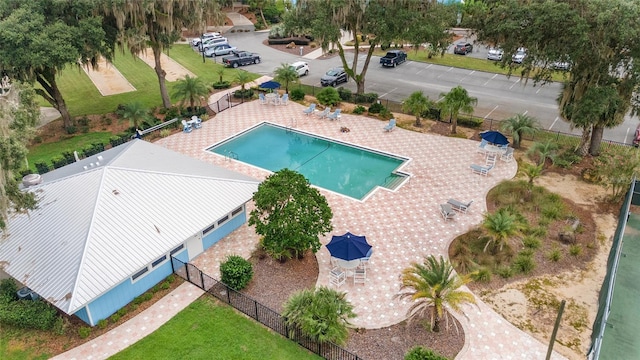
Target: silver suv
519,56
495,54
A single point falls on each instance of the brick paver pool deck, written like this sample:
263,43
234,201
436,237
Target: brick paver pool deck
403,226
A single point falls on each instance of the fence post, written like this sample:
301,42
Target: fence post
228,293
188,276
202,279
173,270
255,304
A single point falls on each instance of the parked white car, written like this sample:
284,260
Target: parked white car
211,43
224,49
204,37
301,67
495,54
519,56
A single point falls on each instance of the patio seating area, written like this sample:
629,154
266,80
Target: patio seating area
403,226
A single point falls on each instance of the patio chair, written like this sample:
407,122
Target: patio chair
508,155
196,122
309,110
337,277
391,125
459,205
491,159
263,99
481,147
447,212
334,115
186,127
364,262
359,275
481,169
284,99
324,112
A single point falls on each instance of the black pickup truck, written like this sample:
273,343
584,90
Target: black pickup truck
393,58
241,58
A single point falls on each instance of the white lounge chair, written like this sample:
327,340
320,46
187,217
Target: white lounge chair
284,99
481,169
309,110
508,155
459,205
447,212
334,115
263,99
391,125
481,147
324,112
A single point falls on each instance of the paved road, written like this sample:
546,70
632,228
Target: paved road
498,96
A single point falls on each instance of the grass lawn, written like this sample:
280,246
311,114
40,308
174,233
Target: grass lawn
83,98
45,152
206,330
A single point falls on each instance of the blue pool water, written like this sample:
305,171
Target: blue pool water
338,167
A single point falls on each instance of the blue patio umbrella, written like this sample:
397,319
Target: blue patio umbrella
270,85
494,137
348,247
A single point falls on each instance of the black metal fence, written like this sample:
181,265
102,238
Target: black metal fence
257,311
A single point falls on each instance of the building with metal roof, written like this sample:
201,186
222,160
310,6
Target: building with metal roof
106,226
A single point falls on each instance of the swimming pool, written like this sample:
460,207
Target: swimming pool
339,167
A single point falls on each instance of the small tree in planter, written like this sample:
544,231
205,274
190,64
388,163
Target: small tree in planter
243,77
221,84
236,272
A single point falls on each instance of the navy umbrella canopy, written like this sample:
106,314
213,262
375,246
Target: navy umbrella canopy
494,137
348,247
270,85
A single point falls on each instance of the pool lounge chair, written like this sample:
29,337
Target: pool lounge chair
334,115
481,169
447,212
481,147
391,125
459,205
324,112
309,110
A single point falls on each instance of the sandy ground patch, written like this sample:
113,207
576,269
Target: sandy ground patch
173,70
107,79
531,305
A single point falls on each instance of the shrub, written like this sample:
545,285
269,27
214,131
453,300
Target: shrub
345,94
368,98
42,167
84,332
142,298
71,129
28,314
421,353
554,255
172,113
524,264
102,323
69,157
483,274
60,326
83,121
105,120
359,110
115,318
58,161
8,289
328,96
171,279
531,242
122,312
221,85
236,272
376,108
575,250
297,94
165,132
505,272
165,285
244,94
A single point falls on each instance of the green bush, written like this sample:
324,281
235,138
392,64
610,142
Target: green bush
244,94
122,312
531,242
115,318
483,274
368,98
236,272
102,323
8,289
575,250
328,96
376,108
71,130
505,272
554,255
60,326
28,314
172,113
142,298
359,110
345,94
84,332
421,353
58,161
171,279
221,85
474,122
297,94
83,121
524,264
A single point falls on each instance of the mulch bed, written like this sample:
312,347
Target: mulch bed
274,282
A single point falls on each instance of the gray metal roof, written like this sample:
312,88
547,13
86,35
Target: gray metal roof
95,227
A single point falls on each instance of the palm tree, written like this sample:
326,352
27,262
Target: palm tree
531,171
158,24
286,74
135,113
190,88
543,151
322,314
242,78
519,125
417,104
434,288
501,226
455,101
